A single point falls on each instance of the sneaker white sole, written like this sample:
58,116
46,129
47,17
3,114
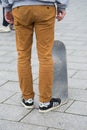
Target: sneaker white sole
27,107
5,31
50,109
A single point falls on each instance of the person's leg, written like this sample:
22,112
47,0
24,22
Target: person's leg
44,29
5,25
24,34
4,22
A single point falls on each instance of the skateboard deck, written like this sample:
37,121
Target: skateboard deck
60,83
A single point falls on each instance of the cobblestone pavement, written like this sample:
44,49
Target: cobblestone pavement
72,116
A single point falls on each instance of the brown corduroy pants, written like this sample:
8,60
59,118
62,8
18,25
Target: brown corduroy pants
42,19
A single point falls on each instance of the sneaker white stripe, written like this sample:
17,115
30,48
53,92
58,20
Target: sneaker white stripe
27,107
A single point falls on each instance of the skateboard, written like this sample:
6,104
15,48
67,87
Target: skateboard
60,83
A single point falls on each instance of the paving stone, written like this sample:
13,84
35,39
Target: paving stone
12,76
35,69
78,108
11,86
9,125
34,62
74,47
57,120
54,129
13,113
12,54
8,67
77,83
69,52
36,100
80,53
6,59
8,42
82,37
63,38
36,88
71,72
34,55
4,95
8,37
65,106
75,42
2,81
35,76
14,62
78,48
36,81
75,59
14,100
2,53
81,75
7,48
77,66
77,94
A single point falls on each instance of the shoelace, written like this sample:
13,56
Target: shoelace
29,100
41,104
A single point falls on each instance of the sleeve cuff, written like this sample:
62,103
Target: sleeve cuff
61,6
8,8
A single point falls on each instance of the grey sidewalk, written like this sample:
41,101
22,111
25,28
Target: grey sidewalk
72,116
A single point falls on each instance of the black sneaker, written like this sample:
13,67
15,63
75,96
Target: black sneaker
54,103
28,103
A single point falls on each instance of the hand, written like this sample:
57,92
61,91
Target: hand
60,14
9,17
